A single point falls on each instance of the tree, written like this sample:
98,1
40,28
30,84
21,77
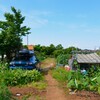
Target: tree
59,46
63,59
70,50
2,45
12,30
37,48
52,48
58,52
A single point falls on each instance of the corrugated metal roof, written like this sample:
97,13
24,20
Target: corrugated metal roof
88,58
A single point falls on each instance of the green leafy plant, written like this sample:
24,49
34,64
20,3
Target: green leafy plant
18,76
21,77
77,81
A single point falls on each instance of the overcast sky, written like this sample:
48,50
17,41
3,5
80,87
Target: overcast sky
67,22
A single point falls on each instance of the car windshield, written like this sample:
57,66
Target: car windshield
24,58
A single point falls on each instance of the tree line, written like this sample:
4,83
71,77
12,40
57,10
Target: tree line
53,50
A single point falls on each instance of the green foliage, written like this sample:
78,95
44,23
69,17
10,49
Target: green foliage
18,76
59,47
76,80
56,53
69,50
11,32
98,52
46,50
40,56
53,51
63,59
37,48
21,77
3,66
40,85
60,74
4,92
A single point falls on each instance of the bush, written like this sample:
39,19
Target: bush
3,66
63,59
21,77
18,76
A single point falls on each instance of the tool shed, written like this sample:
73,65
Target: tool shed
88,60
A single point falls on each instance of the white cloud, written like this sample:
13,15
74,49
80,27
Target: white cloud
76,26
36,19
39,13
35,22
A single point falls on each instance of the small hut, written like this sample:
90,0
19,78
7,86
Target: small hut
86,60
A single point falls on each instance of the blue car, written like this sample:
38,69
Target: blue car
25,59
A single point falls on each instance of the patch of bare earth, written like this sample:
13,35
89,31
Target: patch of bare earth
83,95
30,93
86,95
53,91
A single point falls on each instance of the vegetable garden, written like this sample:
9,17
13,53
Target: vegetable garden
77,81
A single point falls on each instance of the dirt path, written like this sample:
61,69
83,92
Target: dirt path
53,91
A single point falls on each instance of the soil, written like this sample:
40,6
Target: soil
52,92
30,93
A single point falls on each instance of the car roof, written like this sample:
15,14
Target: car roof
26,51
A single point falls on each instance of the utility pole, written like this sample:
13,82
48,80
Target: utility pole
27,40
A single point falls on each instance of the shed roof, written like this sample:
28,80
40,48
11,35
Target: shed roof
88,58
